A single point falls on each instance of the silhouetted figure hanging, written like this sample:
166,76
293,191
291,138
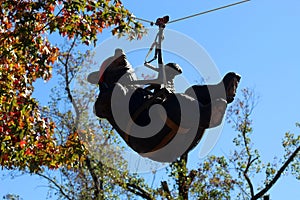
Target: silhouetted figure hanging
178,120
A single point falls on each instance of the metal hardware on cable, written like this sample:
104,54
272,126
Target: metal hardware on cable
161,23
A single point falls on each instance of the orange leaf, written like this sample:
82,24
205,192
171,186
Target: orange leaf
22,144
52,7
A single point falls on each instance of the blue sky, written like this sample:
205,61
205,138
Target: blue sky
259,40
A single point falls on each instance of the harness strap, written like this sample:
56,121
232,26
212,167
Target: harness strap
175,129
168,137
145,105
154,44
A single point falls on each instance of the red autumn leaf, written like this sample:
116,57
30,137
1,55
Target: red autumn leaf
28,152
22,144
40,146
51,8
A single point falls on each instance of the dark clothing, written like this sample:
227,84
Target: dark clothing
184,116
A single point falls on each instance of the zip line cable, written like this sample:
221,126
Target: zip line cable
140,19
208,11
194,15
183,18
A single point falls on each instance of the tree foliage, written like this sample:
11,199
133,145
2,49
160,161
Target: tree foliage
11,197
27,54
246,160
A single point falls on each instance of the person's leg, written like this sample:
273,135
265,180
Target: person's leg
213,99
226,89
204,93
212,103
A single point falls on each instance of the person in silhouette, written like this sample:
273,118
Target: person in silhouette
117,76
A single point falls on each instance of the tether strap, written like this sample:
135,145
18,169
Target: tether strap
154,44
149,52
175,129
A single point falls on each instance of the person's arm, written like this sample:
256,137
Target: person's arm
147,82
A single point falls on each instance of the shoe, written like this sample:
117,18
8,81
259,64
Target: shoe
231,81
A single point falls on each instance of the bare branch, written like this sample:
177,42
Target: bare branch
250,161
131,187
245,173
277,176
67,79
236,168
59,187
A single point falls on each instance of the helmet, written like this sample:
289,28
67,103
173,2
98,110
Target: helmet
96,77
175,67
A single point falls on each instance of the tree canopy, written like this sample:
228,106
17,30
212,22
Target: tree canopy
26,54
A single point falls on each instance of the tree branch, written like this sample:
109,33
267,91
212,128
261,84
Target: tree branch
250,160
67,80
165,187
191,176
249,163
66,67
135,189
95,179
56,185
277,176
182,177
